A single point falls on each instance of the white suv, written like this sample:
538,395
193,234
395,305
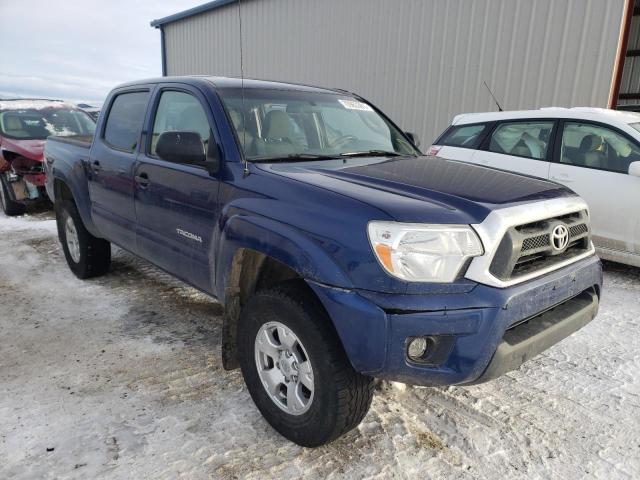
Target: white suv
593,151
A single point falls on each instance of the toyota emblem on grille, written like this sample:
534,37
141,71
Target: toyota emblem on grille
559,238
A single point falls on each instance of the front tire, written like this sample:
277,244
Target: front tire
87,256
9,207
295,368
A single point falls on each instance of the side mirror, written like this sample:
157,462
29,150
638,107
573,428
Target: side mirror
181,147
634,169
414,138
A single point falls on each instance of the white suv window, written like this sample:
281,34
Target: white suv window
463,136
594,146
522,139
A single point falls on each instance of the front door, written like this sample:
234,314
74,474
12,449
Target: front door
113,156
518,146
176,204
593,160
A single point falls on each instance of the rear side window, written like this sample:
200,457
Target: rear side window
124,123
596,146
522,139
467,136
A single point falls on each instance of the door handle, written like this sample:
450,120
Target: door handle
142,180
95,166
563,179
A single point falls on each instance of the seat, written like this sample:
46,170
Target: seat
529,146
277,134
13,126
521,149
592,150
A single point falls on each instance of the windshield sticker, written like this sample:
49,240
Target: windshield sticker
355,105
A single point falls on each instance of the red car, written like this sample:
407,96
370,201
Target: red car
24,126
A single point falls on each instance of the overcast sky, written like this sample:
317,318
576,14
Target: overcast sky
79,49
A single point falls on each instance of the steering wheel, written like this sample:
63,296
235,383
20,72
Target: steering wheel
342,141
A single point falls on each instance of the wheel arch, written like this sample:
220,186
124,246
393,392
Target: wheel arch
63,189
256,253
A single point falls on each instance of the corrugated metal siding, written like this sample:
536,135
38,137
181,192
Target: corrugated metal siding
630,82
421,61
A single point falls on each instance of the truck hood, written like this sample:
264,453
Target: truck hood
423,189
31,149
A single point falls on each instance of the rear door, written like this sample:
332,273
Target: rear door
113,156
520,146
177,204
593,160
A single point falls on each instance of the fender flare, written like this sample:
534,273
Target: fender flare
281,242
79,189
275,240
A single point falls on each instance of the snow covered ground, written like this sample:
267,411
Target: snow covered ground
120,377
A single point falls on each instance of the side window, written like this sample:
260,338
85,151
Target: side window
124,123
467,136
588,145
522,139
180,112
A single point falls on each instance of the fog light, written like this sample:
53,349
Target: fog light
417,348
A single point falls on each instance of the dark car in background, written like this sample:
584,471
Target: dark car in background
24,126
92,110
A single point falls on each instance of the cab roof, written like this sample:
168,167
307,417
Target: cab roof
234,82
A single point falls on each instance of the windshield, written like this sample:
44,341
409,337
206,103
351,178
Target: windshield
277,124
38,124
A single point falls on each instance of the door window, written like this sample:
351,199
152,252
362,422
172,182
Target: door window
468,136
180,112
522,139
124,123
595,146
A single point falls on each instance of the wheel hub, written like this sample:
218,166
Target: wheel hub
284,368
288,364
71,236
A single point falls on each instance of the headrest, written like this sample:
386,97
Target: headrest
591,143
277,124
12,123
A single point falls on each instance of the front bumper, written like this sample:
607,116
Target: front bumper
489,330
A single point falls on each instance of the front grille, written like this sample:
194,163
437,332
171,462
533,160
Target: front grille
532,243
528,248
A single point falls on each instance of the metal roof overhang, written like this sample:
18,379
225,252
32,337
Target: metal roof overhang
191,12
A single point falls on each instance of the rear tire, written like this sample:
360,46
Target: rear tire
339,397
9,207
87,256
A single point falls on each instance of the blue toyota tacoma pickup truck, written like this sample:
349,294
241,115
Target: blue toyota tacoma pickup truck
339,251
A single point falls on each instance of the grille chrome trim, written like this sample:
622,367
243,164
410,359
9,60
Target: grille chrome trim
493,229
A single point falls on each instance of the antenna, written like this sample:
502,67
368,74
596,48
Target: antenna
244,123
492,96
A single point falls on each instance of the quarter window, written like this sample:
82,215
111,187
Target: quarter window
522,139
126,115
180,112
594,146
468,136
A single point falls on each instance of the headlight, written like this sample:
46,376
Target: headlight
423,253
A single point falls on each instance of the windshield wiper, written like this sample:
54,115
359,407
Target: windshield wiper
293,157
372,153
